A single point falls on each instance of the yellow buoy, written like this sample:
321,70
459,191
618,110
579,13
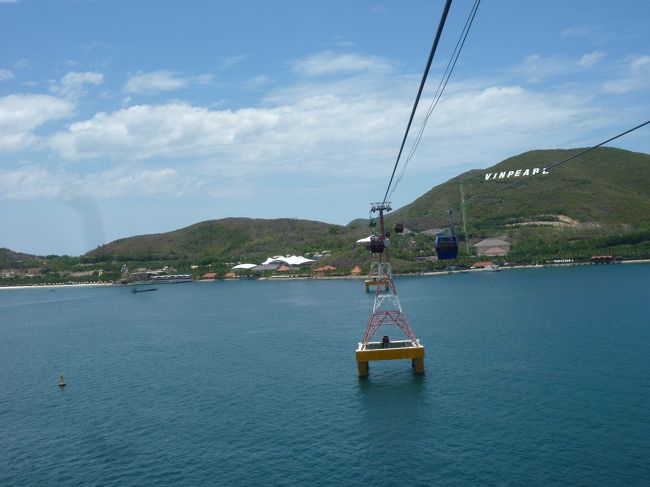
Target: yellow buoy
61,381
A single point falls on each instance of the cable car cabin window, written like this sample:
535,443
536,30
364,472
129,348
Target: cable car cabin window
446,246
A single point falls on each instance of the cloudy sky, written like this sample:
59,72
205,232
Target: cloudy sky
120,118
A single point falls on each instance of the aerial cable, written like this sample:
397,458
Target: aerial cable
417,98
555,164
441,88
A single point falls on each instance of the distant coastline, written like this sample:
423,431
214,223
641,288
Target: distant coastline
335,278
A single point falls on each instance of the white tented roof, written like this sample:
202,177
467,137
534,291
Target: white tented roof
244,266
298,260
293,260
364,240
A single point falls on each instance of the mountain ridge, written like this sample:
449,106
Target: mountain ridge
593,193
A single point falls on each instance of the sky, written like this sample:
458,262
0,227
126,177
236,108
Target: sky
122,118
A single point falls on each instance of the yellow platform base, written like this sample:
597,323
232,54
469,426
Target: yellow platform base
391,351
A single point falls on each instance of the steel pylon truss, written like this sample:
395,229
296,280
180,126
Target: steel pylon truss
386,309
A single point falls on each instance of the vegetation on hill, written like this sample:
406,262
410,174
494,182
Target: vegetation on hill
17,260
232,240
596,204
606,187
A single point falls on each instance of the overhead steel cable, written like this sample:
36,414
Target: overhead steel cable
441,25
441,88
555,164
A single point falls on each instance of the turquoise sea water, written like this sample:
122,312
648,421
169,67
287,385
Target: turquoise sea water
533,377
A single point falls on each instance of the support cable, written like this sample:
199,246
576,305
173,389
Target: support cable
440,89
417,98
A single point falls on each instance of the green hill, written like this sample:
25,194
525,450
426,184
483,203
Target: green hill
606,187
602,194
16,260
233,239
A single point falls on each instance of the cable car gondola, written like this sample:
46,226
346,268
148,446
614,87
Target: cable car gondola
376,245
446,241
399,227
446,245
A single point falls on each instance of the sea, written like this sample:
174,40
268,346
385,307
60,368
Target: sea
533,377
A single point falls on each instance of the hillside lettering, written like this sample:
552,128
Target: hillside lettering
518,173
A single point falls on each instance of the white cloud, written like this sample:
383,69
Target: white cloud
158,81
535,68
321,129
29,182
636,76
258,82
171,130
21,114
591,58
233,60
22,64
329,63
154,82
72,85
340,128
5,74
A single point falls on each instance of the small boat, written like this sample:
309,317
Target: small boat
145,290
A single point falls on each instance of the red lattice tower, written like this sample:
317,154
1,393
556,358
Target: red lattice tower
386,309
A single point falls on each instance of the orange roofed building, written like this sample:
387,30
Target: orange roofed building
325,268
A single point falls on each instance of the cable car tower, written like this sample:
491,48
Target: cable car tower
386,310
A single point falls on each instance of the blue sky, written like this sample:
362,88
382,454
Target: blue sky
120,118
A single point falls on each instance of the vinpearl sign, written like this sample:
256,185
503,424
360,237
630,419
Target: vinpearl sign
518,173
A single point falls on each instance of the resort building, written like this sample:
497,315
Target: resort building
492,247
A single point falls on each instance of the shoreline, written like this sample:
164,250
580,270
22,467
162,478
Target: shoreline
338,278
54,286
